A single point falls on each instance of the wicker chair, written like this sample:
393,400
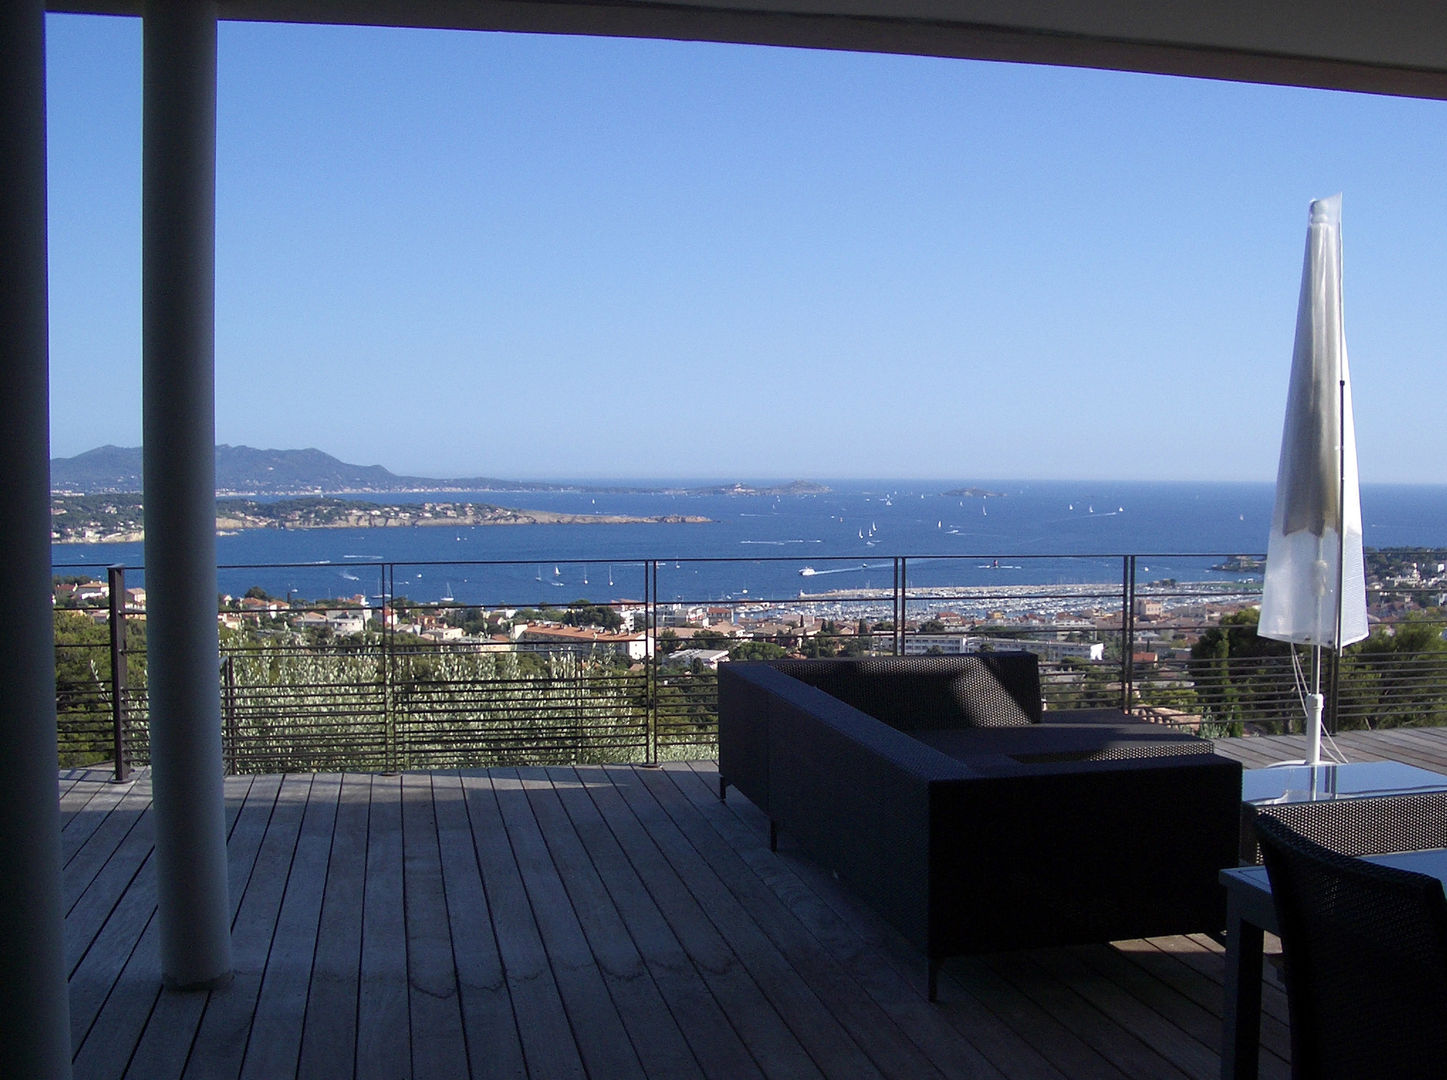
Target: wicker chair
1365,952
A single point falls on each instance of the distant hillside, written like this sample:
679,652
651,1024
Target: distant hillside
244,470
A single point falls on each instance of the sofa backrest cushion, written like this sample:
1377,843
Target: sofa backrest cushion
914,693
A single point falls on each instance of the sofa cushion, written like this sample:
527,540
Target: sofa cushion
1012,751
925,692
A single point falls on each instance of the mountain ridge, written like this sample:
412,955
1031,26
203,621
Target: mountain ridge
246,470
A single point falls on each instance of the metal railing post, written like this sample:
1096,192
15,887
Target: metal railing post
228,689
650,622
116,579
1127,633
901,604
389,660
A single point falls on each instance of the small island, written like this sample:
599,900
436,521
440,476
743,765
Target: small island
972,493
796,487
1241,564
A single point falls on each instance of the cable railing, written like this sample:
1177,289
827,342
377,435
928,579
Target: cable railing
498,675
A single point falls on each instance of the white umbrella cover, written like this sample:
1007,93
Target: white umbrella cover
1315,592
1314,569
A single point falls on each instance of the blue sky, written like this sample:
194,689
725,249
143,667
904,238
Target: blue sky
487,254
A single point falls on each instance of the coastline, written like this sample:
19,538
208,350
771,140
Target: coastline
231,524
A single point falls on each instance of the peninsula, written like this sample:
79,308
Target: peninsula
244,471
118,518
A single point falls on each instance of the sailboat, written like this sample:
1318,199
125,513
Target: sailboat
447,597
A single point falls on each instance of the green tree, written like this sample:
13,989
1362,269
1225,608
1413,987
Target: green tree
1241,677
1392,678
756,650
587,613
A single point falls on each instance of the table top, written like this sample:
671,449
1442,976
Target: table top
1432,862
1321,783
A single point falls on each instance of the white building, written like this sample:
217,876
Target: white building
709,658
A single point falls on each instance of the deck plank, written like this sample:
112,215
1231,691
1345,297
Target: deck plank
971,1019
329,1031
489,1024
549,1047
654,1032
438,1047
383,1014
885,1044
761,1028
97,825
276,1028
818,1031
743,826
166,1043
106,1047
590,920
717,1047
221,1042
602,1038
1107,1020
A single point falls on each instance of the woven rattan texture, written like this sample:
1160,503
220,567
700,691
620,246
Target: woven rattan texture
1365,951
1369,825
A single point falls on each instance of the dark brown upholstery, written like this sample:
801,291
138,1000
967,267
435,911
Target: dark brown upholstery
1365,950
920,692
978,837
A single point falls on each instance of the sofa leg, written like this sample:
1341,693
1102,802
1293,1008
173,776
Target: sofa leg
934,980
773,835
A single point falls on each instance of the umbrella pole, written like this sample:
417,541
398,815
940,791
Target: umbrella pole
1314,704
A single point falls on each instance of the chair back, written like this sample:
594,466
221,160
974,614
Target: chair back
1365,954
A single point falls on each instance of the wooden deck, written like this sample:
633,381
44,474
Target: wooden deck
604,922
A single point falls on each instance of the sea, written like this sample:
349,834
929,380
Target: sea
765,547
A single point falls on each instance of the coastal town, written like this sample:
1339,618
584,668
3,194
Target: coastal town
1081,623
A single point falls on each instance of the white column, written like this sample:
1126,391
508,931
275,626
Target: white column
34,1008
178,223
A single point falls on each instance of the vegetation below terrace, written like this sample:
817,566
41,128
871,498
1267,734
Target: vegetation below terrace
432,685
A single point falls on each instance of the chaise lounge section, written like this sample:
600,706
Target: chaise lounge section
971,820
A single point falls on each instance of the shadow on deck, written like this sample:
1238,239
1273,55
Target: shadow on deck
606,922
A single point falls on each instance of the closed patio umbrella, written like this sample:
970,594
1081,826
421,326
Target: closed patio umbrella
1315,588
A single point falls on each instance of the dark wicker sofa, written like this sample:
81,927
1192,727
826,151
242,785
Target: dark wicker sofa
968,818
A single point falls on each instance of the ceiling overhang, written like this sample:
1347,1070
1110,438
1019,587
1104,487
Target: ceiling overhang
1384,47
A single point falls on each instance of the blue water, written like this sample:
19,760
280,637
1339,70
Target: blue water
1035,533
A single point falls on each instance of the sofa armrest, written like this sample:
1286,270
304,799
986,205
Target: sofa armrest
857,797
1093,851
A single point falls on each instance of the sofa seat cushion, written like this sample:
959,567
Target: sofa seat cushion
997,751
